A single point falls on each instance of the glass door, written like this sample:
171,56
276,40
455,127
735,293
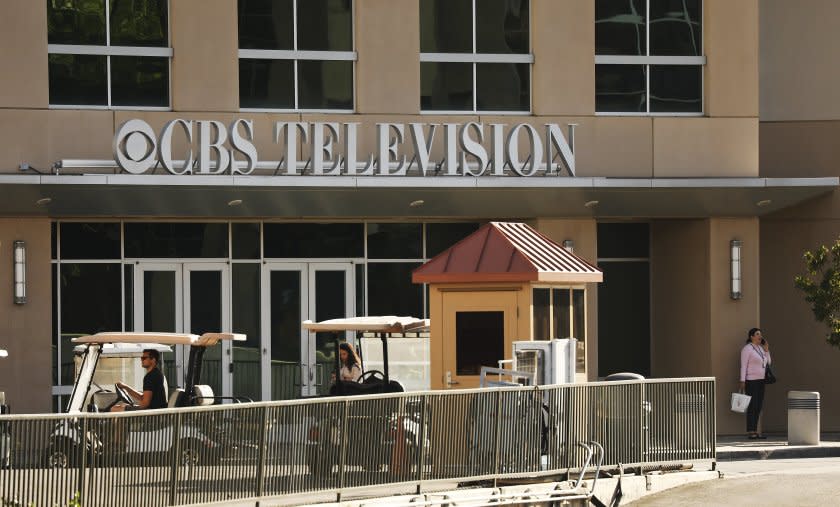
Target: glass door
296,364
186,298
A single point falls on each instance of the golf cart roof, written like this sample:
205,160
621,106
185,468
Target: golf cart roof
205,340
126,349
384,324
3,353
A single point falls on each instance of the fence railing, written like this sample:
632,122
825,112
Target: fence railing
323,447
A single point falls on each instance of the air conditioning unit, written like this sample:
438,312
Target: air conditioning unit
550,361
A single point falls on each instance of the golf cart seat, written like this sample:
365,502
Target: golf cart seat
175,397
203,395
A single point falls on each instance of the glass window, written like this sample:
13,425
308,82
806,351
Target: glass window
395,241
166,240
86,240
479,340
310,240
630,38
245,290
112,53
245,240
623,240
579,328
274,73
390,291
542,313
562,323
440,236
475,55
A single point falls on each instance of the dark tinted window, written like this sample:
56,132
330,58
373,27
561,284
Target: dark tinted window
541,303
501,26
53,240
246,240
79,80
266,84
623,240
446,86
325,25
360,289
187,240
91,298
479,340
76,22
675,27
390,291
266,24
54,341
128,284
620,27
313,240
446,26
503,86
85,240
325,84
395,241
676,88
441,236
139,23
620,88
562,321
139,81
624,318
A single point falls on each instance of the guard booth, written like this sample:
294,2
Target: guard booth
506,282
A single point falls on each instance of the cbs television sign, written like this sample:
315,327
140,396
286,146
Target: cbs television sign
469,149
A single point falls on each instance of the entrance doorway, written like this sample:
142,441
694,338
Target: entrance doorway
187,297
296,363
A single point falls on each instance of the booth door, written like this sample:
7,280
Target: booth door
477,329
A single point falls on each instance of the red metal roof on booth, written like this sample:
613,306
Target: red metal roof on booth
506,252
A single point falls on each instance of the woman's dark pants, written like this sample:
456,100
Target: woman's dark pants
754,388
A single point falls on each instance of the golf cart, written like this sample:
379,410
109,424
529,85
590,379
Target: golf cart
381,433
104,358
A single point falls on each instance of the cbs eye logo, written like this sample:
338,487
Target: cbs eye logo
137,148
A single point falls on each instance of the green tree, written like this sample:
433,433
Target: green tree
821,286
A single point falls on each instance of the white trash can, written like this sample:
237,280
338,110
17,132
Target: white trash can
803,418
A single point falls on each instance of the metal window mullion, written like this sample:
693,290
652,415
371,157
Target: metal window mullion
647,87
108,77
107,23
647,53
474,65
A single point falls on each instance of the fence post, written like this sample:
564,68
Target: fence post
261,455
83,462
175,458
421,442
343,460
498,437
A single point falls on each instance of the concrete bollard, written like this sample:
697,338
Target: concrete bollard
803,418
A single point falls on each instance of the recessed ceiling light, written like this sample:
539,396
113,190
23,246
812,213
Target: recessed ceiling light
590,204
235,202
762,203
43,201
417,203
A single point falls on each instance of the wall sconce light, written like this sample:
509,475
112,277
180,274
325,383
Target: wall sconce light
20,272
569,244
735,269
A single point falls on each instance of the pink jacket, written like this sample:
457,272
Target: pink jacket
753,361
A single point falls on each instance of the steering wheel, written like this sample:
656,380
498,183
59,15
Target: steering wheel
371,375
122,394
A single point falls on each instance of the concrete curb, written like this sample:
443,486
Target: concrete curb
779,453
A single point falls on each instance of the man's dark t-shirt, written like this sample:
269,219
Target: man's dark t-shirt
154,382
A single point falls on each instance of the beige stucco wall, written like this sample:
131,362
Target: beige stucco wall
25,330
388,44
731,46
205,62
23,54
708,147
799,48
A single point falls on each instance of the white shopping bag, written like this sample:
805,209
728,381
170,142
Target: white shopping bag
740,402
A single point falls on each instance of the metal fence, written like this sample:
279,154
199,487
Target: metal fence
326,446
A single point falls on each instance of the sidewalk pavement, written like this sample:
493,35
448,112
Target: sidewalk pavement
739,448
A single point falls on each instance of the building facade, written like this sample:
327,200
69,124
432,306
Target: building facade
204,164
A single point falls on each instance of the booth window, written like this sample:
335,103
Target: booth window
479,340
475,56
109,54
561,313
649,57
296,55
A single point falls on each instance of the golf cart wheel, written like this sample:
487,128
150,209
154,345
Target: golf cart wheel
191,453
61,454
318,465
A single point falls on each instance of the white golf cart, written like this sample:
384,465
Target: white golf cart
103,359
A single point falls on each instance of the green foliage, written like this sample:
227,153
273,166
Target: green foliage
821,286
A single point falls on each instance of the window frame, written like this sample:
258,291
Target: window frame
475,58
295,56
570,289
108,51
649,60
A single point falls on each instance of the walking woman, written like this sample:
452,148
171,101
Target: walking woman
755,356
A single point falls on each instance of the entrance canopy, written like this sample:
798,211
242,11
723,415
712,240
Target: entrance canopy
506,252
485,197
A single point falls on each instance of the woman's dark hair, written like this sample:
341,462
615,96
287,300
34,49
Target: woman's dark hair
752,333
352,357
154,354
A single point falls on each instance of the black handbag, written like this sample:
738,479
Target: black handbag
769,378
